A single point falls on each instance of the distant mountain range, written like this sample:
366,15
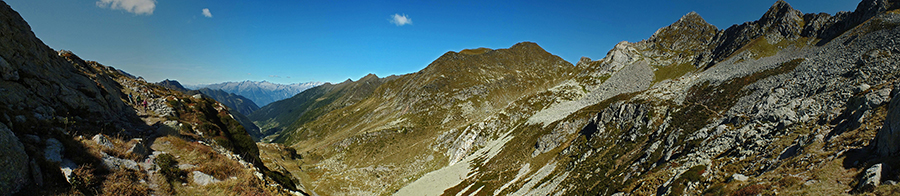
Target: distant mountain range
260,92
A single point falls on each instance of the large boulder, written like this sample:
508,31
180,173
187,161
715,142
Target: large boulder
887,140
14,162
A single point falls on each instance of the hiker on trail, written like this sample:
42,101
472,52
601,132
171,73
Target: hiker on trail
144,104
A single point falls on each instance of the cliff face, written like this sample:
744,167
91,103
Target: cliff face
70,126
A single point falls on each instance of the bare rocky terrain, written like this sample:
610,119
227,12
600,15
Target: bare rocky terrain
793,103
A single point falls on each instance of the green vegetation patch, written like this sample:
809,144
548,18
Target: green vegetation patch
168,167
760,47
672,71
876,24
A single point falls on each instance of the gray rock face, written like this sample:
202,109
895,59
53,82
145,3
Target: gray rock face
203,179
871,178
14,162
53,150
139,149
115,163
887,140
7,72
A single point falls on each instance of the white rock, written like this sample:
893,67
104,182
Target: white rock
203,179
740,177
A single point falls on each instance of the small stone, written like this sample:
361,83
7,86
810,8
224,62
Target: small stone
114,163
67,166
861,88
740,177
186,166
203,179
102,140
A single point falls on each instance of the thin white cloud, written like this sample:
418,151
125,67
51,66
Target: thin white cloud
274,76
401,20
134,6
206,13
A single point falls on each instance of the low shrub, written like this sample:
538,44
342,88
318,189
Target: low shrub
83,179
168,167
750,190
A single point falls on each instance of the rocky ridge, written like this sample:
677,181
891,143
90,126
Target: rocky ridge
71,126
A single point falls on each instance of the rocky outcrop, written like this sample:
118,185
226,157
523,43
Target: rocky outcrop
871,178
887,141
14,161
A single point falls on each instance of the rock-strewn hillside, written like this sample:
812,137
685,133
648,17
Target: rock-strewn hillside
791,103
70,126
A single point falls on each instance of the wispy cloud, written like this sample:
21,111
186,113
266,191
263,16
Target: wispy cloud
134,6
274,76
206,13
401,20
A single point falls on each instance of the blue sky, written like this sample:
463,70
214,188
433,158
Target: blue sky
333,40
